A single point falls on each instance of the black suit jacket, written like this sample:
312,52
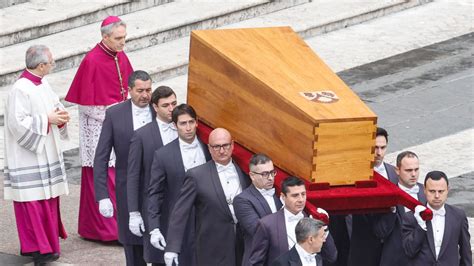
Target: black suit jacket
145,141
117,130
366,247
167,178
249,207
291,258
388,228
216,236
455,248
271,240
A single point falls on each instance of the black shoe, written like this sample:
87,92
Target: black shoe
41,259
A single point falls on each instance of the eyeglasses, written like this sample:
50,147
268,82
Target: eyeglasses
225,146
266,174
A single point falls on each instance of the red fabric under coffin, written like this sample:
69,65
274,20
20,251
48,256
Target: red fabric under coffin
377,195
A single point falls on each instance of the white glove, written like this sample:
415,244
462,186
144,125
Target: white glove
418,218
322,211
157,239
106,208
135,223
170,257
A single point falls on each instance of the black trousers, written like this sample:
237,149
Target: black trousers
134,255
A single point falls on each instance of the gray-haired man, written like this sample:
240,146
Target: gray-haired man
310,237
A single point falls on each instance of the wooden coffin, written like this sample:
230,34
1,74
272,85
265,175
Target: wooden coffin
276,96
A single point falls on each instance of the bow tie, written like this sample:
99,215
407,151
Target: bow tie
310,259
414,190
296,218
141,111
191,146
167,127
267,192
440,212
224,168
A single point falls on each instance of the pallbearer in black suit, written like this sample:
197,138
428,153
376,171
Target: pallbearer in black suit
117,130
210,189
388,227
170,164
310,236
144,143
275,233
443,241
258,200
365,247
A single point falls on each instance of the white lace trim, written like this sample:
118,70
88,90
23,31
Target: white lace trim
90,126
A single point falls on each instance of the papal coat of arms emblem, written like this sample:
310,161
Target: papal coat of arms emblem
320,96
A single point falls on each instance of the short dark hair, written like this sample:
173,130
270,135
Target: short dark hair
138,74
160,93
181,110
307,227
436,175
408,154
257,159
382,132
290,181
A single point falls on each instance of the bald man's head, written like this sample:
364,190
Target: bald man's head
221,146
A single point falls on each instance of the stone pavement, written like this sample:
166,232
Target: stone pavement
341,50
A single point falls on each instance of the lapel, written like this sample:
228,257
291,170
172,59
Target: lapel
449,219
277,200
178,159
207,155
155,134
153,113
128,119
281,230
265,209
391,174
429,234
294,258
421,194
244,183
221,199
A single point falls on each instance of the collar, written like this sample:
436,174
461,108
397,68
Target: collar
440,212
222,168
291,216
380,168
266,192
191,145
413,190
35,79
138,109
107,50
302,252
164,125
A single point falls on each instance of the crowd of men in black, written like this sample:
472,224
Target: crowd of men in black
188,203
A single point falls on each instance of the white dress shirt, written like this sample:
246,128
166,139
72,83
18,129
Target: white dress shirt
230,184
381,170
290,222
141,116
413,192
192,154
268,196
306,258
168,131
438,223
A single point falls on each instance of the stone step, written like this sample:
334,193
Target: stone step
307,19
145,28
8,3
40,18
